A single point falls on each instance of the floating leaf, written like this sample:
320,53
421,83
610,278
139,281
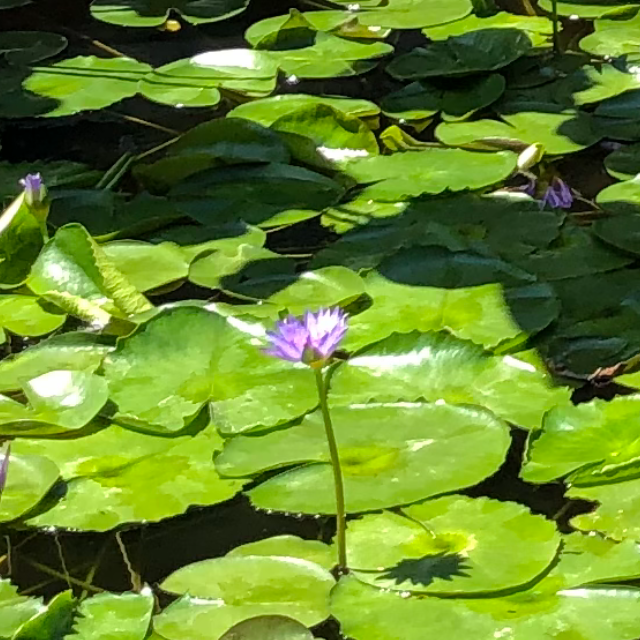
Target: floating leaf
225,591
125,616
15,609
154,13
434,170
622,197
58,401
194,356
29,316
85,83
453,546
28,47
434,366
589,8
485,50
52,622
587,85
621,231
268,628
421,100
29,478
267,110
412,14
391,454
196,81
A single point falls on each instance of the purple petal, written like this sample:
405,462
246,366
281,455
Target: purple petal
4,468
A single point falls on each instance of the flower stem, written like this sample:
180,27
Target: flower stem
341,516
556,34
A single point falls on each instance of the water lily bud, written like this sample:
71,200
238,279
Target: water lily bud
35,194
530,156
4,468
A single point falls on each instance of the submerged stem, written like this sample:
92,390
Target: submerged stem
341,516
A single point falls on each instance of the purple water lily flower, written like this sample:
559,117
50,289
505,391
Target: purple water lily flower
311,339
34,190
4,468
558,194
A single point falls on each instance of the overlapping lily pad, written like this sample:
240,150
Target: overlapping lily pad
28,47
391,454
15,609
590,8
433,170
434,366
484,50
411,14
219,593
452,546
195,356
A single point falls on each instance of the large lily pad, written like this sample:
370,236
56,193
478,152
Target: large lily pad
485,50
560,131
196,81
411,14
452,546
391,454
222,592
435,366
587,84
194,356
153,13
433,170
264,195
149,488
590,8
85,83
421,100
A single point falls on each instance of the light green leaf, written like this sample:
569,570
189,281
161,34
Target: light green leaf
53,622
123,616
434,366
387,455
452,546
154,13
412,14
29,316
225,591
590,8
15,609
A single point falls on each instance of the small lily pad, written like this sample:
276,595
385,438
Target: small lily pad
268,628
222,592
624,163
29,316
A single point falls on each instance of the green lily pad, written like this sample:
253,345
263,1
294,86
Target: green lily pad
196,81
614,42
589,8
622,197
619,115
21,239
411,14
125,615
262,195
538,28
148,266
85,83
322,136
59,401
485,50
560,131
189,355
267,110
75,351
28,47
29,478
434,366
53,621
621,231
15,609
28,315
225,591
421,100
452,546
154,13
594,84
599,438
368,613
76,274
268,628
146,489
486,314
382,466
624,163
288,546
433,170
